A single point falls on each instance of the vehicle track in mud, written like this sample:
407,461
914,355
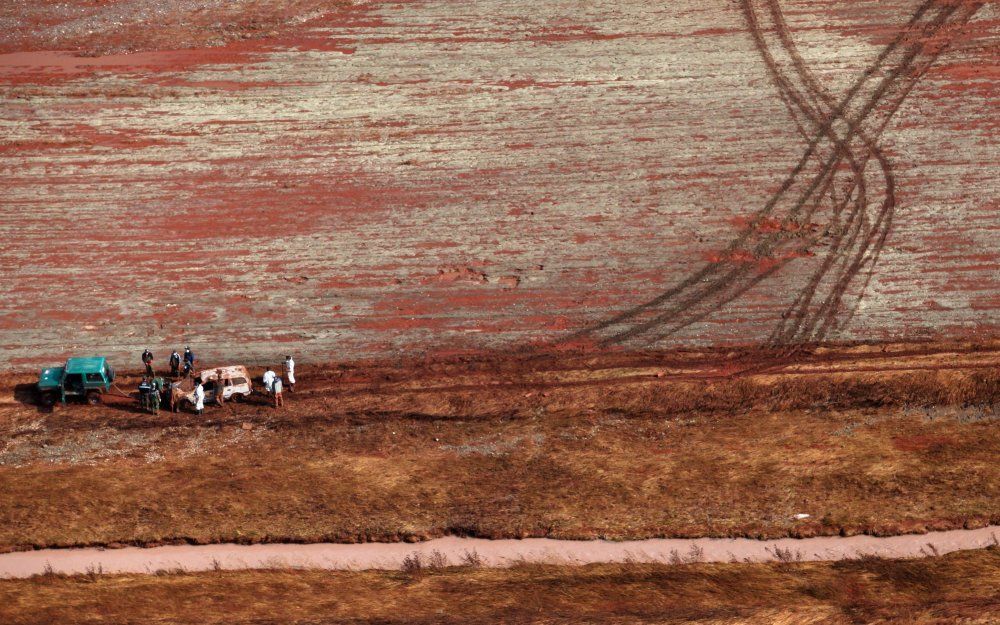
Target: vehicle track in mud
380,392
819,103
718,283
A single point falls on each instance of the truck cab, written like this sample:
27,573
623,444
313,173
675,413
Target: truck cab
79,377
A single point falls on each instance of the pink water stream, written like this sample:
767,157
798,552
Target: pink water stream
336,556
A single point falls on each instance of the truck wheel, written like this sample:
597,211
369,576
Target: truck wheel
47,399
93,398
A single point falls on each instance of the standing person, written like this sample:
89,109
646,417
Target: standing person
220,388
175,395
175,364
147,359
288,368
278,400
154,397
268,380
189,358
199,397
145,388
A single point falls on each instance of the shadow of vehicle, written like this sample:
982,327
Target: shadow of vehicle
123,404
27,395
256,398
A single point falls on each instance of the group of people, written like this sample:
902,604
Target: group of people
150,393
174,362
151,387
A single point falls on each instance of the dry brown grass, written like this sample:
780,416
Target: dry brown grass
664,384
372,454
561,476
961,588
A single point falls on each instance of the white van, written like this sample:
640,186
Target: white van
235,384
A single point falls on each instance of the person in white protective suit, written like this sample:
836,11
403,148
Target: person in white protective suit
199,398
268,380
288,368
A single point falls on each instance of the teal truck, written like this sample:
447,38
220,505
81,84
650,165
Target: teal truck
88,378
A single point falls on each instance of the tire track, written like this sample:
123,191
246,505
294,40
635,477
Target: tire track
768,245
707,272
797,312
881,89
869,248
829,166
944,21
811,99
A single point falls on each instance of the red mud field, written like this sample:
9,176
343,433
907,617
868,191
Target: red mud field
96,28
388,178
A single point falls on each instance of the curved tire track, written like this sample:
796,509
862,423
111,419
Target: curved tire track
845,131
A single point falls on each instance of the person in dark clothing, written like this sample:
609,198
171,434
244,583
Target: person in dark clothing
145,390
155,395
154,402
175,364
189,357
147,359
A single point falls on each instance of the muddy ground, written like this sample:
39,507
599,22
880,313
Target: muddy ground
505,179
94,28
878,439
393,177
